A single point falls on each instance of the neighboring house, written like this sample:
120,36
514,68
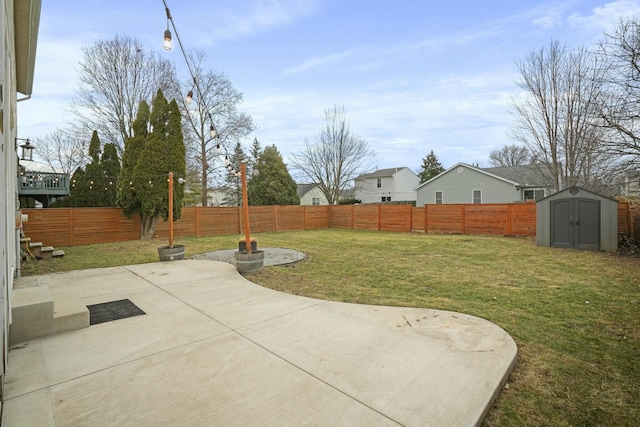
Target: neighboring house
310,194
464,183
387,185
631,184
216,196
19,25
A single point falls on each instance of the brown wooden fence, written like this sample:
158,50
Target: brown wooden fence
82,226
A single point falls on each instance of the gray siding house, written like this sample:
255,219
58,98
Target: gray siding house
463,183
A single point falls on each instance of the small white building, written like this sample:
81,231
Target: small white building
387,185
310,195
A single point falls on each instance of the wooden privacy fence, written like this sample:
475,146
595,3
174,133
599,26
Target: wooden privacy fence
82,226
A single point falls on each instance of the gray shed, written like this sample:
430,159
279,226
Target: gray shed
577,218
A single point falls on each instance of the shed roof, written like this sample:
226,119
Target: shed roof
571,191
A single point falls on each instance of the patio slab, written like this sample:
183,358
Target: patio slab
215,349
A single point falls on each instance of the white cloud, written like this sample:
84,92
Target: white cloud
548,22
319,61
604,17
238,21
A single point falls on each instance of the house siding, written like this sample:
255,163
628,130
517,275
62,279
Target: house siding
458,187
307,199
399,186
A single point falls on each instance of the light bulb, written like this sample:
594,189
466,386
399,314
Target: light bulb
167,45
189,97
212,132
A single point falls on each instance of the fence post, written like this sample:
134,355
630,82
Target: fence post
71,225
462,217
426,218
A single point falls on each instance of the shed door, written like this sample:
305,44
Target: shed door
575,223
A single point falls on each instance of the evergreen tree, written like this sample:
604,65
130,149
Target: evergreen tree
111,167
127,194
255,151
430,167
273,185
94,193
94,185
160,151
233,187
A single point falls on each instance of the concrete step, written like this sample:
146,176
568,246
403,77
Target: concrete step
34,248
31,314
36,312
58,253
69,313
46,252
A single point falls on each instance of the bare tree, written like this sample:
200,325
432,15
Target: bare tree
64,150
336,158
555,117
115,75
214,102
510,155
620,109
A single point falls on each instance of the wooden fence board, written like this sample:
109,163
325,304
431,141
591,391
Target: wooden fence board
395,218
445,219
417,219
290,218
341,216
80,226
366,217
262,219
316,217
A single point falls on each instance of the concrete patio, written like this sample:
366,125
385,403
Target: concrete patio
214,349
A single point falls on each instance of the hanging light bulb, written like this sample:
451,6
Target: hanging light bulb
167,45
212,131
218,149
189,97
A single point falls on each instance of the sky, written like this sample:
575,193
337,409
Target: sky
412,75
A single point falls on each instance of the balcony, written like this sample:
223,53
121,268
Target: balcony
32,184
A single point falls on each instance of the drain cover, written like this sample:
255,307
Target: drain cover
113,310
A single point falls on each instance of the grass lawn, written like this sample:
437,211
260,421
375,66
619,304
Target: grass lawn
575,315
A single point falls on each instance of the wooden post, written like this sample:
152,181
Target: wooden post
171,209
245,204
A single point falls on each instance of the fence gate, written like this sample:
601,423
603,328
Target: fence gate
575,223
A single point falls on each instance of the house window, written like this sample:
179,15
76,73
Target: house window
315,201
438,197
533,194
386,198
477,197
379,183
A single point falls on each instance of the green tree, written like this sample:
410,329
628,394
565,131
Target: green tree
111,168
95,184
430,167
233,188
94,193
127,194
272,185
255,151
153,155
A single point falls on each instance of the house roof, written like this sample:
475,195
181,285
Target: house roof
26,24
381,173
525,175
305,188
521,176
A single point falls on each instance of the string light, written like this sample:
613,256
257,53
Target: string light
213,133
